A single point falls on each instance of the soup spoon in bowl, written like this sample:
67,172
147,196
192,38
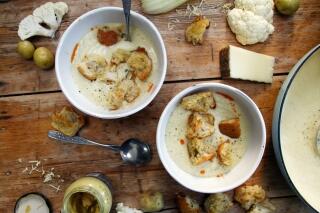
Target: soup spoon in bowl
132,151
126,9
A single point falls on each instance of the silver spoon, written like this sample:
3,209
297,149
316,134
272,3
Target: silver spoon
132,151
126,9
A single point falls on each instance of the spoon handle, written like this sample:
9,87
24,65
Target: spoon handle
126,9
78,140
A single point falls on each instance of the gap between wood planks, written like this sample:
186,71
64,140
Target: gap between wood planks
166,82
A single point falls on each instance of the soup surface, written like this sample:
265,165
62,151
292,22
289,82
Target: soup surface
176,140
98,90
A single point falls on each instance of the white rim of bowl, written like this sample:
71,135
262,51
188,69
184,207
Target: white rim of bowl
189,90
152,95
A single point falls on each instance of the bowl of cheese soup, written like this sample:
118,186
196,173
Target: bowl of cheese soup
211,137
103,74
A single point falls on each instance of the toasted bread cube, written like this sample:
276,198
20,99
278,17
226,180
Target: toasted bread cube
200,125
247,196
126,90
67,121
230,128
141,64
120,56
200,151
187,204
92,66
199,102
224,153
195,31
218,203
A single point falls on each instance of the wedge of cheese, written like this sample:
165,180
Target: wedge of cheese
243,64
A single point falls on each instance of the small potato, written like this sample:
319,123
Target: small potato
43,58
25,49
151,202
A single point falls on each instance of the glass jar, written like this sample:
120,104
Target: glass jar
94,185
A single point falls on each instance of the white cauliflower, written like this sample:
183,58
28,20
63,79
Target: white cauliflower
248,27
262,8
49,14
126,209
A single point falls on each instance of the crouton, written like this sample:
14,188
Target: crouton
92,66
195,31
120,56
199,102
263,207
200,125
126,90
200,151
67,121
141,64
218,203
247,196
224,153
230,128
187,204
132,91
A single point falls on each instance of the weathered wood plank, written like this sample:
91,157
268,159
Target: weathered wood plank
293,37
24,122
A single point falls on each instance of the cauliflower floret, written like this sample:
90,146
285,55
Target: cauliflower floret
249,195
248,27
49,14
262,8
218,203
30,26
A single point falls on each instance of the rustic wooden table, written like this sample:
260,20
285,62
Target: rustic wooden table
29,95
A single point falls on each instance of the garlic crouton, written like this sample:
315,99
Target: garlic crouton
218,203
126,90
187,204
67,121
200,151
230,128
200,125
120,56
194,32
224,153
249,195
140,63
199,102
92,66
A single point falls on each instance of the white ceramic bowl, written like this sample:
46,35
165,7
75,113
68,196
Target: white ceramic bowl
296,120
80,27
247,165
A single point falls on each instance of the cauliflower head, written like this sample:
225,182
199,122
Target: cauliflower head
248,27
262,8
49,14
248,196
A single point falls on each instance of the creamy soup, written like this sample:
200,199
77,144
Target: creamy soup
176,140
97,91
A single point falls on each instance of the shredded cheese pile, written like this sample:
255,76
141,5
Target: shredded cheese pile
48,176
202,7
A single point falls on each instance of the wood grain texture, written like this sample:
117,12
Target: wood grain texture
293,37
25,120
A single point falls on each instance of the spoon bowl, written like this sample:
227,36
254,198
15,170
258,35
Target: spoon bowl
133,151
